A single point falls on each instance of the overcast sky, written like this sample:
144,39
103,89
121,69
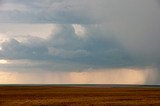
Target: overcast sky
97,41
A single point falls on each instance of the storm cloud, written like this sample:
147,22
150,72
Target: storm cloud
79,35
94,48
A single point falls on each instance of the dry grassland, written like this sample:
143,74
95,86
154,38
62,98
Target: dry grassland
78,96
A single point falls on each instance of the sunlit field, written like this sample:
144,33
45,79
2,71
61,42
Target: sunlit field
78,96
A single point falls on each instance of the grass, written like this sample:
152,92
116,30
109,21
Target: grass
77,96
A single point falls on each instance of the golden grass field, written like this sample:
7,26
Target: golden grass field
78,96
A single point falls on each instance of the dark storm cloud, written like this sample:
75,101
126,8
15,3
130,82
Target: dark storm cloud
48,11
96,50
134,27
13,49
158,1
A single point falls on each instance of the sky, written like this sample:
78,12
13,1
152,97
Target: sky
79,41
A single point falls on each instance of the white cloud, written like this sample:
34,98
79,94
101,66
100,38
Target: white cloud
80,31
3,61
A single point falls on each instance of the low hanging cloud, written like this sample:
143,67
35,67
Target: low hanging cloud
96,50
135,30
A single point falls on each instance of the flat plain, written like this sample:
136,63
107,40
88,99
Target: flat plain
78,96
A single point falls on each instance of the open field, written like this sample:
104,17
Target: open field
78,95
